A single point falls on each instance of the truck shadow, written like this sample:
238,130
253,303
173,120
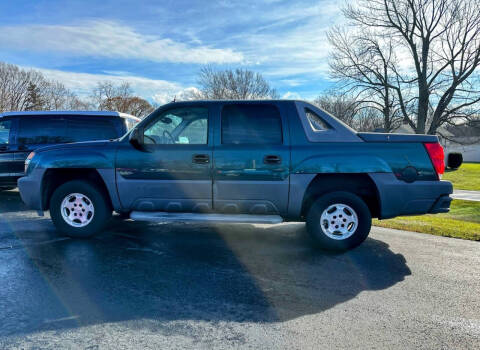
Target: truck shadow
139,271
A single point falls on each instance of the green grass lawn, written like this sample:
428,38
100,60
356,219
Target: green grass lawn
467,177
463,221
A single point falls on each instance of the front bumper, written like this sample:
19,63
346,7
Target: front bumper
399,198
30,188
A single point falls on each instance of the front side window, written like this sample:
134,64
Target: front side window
251,124
187,125
41,130
4,131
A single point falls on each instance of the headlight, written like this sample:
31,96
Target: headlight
27,161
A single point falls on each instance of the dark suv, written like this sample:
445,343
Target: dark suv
23,132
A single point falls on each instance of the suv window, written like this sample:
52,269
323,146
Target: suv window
251,124
187,125
50,130
41,130
4,131
91,129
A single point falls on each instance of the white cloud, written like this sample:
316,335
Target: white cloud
109,39
289,95
160,91
291,41
180,95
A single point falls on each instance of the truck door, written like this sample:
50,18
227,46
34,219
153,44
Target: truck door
251,159
174,171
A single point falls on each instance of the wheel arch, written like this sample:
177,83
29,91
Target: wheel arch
55,177
359,183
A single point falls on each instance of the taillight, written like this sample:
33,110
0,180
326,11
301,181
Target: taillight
435,152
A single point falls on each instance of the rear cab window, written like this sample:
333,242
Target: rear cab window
251,124
316,123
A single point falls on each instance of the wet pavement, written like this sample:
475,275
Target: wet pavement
142,285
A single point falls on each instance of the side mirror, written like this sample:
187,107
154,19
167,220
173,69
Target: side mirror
136,138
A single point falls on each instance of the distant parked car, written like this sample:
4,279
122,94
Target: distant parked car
23,132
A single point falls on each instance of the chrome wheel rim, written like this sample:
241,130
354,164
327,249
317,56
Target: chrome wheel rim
339,221
77,210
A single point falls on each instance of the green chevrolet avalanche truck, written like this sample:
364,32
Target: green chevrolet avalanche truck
240,162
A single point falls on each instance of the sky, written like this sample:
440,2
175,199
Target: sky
160,46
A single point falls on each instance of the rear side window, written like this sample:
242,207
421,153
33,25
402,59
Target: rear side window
90,129
315,121
4,131
41,130
251,124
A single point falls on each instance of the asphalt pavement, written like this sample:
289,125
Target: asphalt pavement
159,286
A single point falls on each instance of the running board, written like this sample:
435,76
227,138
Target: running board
198,217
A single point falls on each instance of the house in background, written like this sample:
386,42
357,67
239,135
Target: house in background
464,139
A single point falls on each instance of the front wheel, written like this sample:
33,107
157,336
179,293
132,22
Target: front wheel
339,221
79,209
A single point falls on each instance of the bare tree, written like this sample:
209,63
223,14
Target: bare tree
349,110
111,97
17,87
238,84
437,42
107,90
364,66
22,89
132,105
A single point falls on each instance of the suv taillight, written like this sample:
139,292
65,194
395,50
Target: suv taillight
435,152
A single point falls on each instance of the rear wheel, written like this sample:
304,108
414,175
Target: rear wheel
79,209
339,221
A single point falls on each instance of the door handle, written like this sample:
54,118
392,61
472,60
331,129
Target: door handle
272,159
201,158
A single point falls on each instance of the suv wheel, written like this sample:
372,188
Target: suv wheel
339,221
79,209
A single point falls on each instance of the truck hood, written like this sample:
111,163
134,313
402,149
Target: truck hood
77,145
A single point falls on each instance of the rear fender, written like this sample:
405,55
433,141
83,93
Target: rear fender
342,164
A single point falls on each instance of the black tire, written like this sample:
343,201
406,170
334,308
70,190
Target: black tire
360,233
102,209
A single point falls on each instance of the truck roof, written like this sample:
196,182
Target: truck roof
76,113
233,101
